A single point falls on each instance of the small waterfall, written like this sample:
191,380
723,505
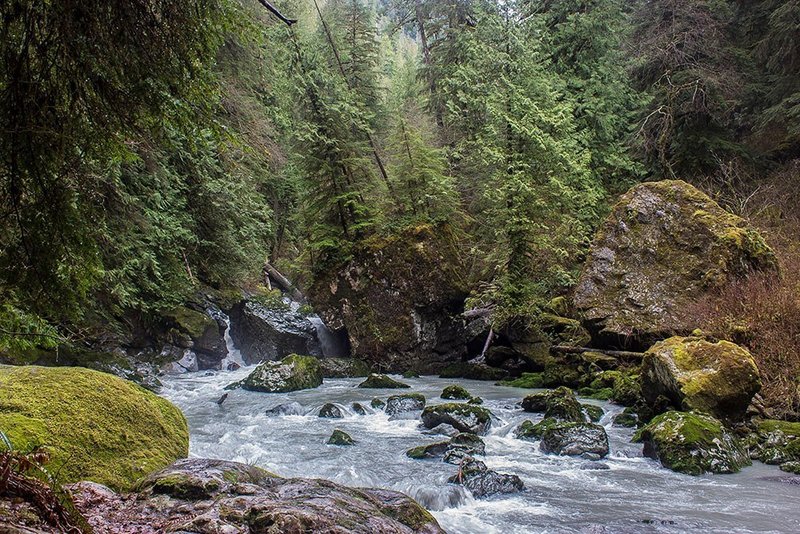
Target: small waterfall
331,344
234,358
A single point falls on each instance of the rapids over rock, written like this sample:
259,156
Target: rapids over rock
563,494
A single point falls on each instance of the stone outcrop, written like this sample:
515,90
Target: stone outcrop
271,331
200,333
399,299
716,377
200,495
664,246
94,425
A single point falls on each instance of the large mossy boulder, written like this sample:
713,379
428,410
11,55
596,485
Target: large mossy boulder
198,331
343,368
269,330
560,404
94,425
399,298
292,373
719,378
692,443
664,245
463,417
199,495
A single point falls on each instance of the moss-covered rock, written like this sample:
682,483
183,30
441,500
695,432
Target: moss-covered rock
408,402
791,467
378,381
475,400
399,298
529,431
558,373
343,368
626,419
424,452
377,403
96,426
575,439
196,330
593,412
719,378
664,245
691,443
483,482
340,438
526,381
627,389
563,330
455,392
462,417
292,373
559,404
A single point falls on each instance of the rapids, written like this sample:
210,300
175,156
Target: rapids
635,495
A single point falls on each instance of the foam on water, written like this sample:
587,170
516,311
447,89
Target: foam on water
635,495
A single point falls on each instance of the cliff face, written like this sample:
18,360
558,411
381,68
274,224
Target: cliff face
399,299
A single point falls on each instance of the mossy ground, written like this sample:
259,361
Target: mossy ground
95,426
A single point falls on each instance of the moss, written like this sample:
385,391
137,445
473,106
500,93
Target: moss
185,486
293,373
377,381
561,374
601,394
770,425
595,413
526,381
791,467
473,371
475,400
558,306
411,374
529,431
377,403
96,426
626,419
434,450
691,443
627,390
564,331
340,438
455,392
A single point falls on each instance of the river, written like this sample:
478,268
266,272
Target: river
635,495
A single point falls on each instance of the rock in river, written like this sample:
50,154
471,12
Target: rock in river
462,417
290,374
408,402
483,482
287,408
575,439
263,332
378,381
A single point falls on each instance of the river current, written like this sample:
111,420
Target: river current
634,495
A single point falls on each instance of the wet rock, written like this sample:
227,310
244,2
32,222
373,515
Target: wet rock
455,392
199,332
718,378
330,411
462,417
434,450
691,443
529,431
441,430
411,374
575,439
626,419
222,399
214,496
340,438
527,380
377,403
358,408
271,331
378,381
473,371
664,246
290,374
483,482
343,368
594,466
462,445
287,408
476,401
409,402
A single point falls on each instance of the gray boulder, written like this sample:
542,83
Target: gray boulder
408,402
462,417
575,439
270,333
293,373
287,408
483,482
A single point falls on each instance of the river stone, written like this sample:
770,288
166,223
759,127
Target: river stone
594,413
663,247
718,378
265,332
626,419
215,496
287,408
290,374
343,368
462,445
340,438
330,411
691,443
575,439
462,417
433,450
198,331
455,392
378,381
558,404
483,482
358,408
377,403
408,402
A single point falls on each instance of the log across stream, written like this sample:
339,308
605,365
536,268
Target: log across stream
634,495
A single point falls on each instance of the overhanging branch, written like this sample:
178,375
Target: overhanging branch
277,13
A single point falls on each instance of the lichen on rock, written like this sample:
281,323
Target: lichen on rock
95,426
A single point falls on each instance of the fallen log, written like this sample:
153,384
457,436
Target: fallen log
624,354
284,283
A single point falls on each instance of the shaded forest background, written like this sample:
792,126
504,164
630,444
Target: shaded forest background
150,149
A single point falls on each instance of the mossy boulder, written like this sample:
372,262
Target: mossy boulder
663,247
777,443
462,417
292,373
424,452
791,467
626,419
96,426
692,443
484,482
343,368
399,297
563,330
627,390
377,403
593,412
455,392
196,330
378,381
559,404
530,431
719,378
340,438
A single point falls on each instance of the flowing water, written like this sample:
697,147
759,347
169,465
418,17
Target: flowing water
635,495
